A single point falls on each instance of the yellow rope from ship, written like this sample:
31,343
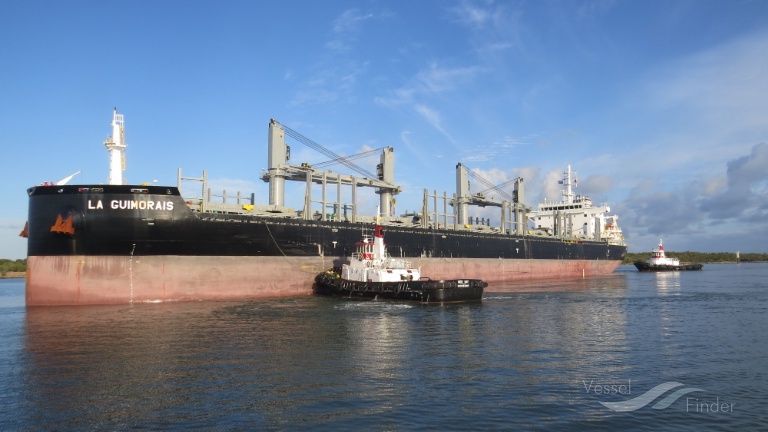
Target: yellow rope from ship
300,268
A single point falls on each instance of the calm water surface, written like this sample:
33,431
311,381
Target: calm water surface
531,356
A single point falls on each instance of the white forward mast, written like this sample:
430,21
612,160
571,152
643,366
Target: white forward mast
566,182
116,147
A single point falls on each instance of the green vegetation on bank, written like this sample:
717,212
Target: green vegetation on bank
700,257
6,265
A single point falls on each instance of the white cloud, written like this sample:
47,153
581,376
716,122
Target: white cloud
350,20
723,91
334,77
346,28
436,79
474,14
745,194
495,26
697,168
431,116
429,84
596,184
718,207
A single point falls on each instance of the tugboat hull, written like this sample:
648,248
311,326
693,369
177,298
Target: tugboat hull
424,291
646,267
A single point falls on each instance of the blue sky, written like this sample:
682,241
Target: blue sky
661,107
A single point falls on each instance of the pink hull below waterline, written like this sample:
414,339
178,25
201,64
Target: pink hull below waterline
84,280
510,270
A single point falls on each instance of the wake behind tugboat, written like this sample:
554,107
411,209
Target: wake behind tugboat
373,274
660,262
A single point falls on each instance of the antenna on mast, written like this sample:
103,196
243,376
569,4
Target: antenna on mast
116,147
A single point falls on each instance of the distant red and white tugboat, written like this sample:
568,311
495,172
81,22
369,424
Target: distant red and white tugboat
660,262
373,274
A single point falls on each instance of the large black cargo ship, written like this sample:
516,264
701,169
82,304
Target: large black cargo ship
115,243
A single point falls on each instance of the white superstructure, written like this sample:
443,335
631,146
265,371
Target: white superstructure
575,216
116,147
371,263
658,257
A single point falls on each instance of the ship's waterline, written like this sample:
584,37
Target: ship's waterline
84,280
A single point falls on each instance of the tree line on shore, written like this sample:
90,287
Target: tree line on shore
6,265
701,257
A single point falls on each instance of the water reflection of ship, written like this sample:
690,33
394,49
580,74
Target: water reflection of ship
380,347
612,281
288,361
116,365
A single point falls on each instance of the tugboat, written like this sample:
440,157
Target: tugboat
660,262
373,274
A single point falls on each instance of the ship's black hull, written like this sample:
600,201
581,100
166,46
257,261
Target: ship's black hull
100,229
647,267
424,291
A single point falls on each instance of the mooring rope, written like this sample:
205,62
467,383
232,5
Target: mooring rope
286,256
130,271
